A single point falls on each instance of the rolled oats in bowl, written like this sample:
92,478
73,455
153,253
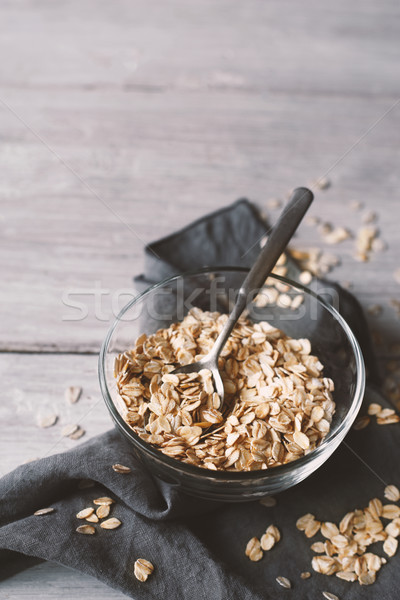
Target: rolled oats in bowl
278,404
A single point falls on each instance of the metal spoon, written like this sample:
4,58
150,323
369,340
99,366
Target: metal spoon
277,241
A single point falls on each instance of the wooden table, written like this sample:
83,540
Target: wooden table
122,121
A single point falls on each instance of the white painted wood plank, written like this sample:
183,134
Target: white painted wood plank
53,582
34,387
193,154
276,45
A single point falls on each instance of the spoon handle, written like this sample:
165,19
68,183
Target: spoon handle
277,241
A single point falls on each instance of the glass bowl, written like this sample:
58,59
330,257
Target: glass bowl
214,289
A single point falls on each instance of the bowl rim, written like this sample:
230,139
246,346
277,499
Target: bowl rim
227,476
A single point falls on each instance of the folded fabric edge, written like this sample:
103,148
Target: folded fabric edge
153,246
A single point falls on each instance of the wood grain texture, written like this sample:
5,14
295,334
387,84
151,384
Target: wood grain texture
34,387
122,121
178,157
54,582
279,45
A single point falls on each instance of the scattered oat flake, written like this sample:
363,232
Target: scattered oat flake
356,205
76,435
385,412
305,575
365,237
389,420
72,394
318,547
391,511
267,541
393,529
297,301
303,521
253,549
374,408
268,501
337,235
339,541
330,596
324,564
274,203
282,260
378,245
48,421
274,531
142,569
103,511
112,523
305,277
86,512
68,430
396,305
325,228
323,183
396,275
312,221
43,511
392,493
312,528
284,301
329,260
118,468
369,217
366,578
284,582
86,529
92,518
103,500
346,575
361,423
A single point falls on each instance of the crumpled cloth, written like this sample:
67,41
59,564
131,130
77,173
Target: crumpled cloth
197,546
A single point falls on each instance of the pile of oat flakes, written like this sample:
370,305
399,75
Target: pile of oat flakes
345,549
277,407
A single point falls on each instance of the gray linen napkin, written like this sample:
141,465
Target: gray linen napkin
197,546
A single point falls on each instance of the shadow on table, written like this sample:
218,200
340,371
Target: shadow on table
12,563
